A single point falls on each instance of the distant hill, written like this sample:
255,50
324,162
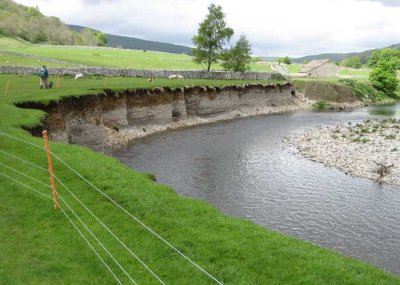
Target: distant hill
340,56
139,44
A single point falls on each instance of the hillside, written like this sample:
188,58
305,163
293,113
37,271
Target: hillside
139,44
15,52
364,55
29,24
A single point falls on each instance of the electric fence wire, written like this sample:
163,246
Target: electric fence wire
122,208
98,241
74,213
23,160
105,226
27,186
138,221
48,186
21,140
26,176
70,220
85,207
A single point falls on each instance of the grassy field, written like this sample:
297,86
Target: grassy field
39,246
354,72
293,68
103,57
14,60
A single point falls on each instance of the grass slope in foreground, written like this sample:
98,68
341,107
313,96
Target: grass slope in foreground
39,246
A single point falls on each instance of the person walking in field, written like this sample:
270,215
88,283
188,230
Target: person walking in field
44,77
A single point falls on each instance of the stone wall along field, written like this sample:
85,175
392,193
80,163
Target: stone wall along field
142,73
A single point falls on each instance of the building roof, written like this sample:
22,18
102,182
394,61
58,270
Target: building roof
313,65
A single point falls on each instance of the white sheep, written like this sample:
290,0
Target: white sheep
175,76
79,75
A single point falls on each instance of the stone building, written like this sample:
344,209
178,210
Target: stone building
320,68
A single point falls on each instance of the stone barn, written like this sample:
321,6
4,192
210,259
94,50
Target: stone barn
320,68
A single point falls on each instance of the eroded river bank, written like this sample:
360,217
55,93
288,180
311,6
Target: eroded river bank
245,168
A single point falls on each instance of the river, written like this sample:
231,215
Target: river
245,169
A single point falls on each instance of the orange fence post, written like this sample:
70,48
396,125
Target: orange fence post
6,90
53,183
58,78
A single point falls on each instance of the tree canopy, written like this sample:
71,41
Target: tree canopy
238,58
353,62
212,36
285,60
383,77
389,55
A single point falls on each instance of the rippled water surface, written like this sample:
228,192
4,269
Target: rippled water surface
245,169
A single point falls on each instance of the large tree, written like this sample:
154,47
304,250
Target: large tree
238,58
211,37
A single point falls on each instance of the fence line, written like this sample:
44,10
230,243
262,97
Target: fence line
27,176
23,160
87,209
116,204
98,241
49,197
27,186
21,140
94,250
104,226
138,220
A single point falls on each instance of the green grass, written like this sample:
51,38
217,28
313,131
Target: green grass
340,90
39,246
293,68
354,72
321,105
109,57
364,91
15,60
27,87
10,43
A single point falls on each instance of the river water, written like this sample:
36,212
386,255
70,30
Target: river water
244,168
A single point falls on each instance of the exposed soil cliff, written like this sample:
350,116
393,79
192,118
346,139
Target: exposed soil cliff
112,118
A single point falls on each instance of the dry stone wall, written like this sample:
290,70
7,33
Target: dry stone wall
142,73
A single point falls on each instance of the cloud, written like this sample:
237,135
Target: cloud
392,3
274,28
95,2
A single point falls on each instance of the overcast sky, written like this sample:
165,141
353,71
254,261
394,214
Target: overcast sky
274,27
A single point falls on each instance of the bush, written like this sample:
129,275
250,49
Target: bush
321,105
383,78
